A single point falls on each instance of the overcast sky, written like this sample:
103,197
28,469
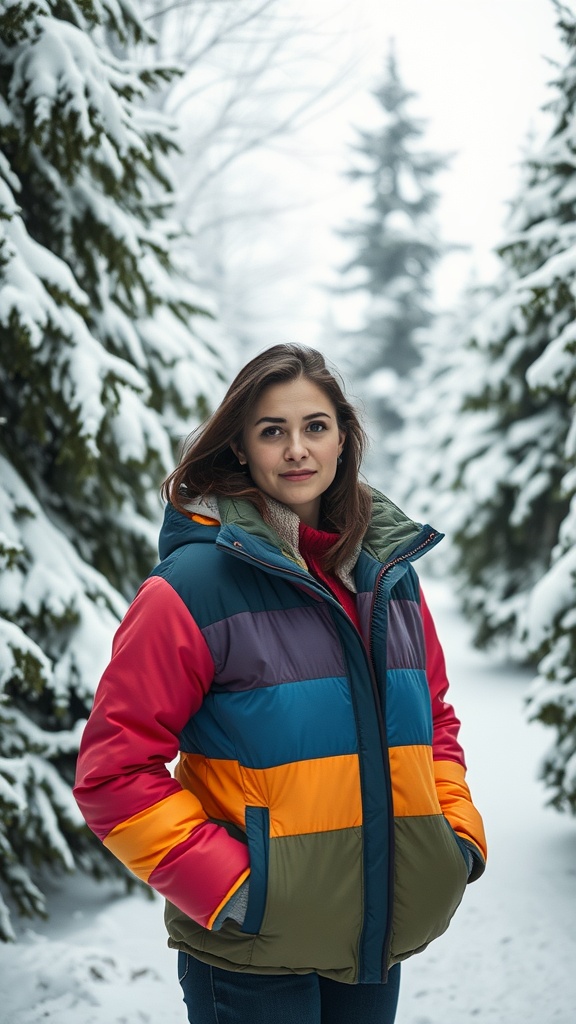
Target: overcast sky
480,72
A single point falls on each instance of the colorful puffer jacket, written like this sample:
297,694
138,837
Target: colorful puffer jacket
321,763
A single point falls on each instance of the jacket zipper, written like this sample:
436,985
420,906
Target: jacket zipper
381,713
380,710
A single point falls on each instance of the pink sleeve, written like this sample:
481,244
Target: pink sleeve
446,724
449,764
160,670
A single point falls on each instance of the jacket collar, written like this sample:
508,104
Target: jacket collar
389,533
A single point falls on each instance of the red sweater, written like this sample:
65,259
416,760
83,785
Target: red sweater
313,544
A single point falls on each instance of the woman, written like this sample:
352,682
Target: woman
319,828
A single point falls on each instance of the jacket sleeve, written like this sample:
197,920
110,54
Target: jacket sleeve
449,764
160,670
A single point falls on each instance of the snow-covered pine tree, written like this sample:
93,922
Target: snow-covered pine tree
508,457
551,634
429,442
101,374
551,618
396,246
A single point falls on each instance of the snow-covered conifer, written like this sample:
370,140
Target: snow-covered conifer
105,362
396,245
437,436
551,633
513,443
497,460
551,617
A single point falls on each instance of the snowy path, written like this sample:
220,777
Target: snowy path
508,958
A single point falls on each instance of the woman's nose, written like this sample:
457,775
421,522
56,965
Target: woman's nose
296,449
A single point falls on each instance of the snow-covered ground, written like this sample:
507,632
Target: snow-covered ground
508,958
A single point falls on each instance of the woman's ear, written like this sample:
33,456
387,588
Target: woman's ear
238,453
342,436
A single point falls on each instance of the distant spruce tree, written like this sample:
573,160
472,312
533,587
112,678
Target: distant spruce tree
438,436
102,370
498,461
396,245
510,456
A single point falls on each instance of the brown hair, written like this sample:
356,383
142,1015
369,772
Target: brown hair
209,466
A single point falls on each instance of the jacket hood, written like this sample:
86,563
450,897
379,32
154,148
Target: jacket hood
178,529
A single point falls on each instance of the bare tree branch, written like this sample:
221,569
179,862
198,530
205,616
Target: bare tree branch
263,136
255,73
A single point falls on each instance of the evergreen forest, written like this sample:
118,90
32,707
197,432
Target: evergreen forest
124,312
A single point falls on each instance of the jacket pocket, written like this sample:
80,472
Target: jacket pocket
430,876
257,832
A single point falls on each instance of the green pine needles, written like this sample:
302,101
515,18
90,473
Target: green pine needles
104,365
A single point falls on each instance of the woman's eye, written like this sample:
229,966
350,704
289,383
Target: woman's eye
317,426
270,431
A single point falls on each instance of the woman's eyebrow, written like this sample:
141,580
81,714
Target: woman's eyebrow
280,419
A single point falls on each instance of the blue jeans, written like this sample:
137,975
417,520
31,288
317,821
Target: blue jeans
214,996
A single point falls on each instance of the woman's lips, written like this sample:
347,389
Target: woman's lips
304,475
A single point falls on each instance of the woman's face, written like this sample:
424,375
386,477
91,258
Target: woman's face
290,444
